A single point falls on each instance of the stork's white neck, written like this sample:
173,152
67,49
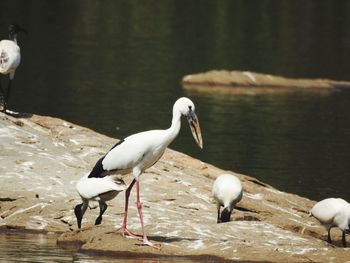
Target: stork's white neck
174,129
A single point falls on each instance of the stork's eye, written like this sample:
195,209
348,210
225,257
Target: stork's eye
190,107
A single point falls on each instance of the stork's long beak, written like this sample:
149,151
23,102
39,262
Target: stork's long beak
195,128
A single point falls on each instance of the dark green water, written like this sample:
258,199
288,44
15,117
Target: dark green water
116,66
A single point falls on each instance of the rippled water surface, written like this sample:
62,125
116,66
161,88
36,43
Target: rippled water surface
40,248
116,67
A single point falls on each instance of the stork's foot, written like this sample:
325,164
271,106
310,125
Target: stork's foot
127,233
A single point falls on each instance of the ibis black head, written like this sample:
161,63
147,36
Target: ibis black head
225,215
14,29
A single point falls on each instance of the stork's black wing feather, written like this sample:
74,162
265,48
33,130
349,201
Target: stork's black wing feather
98,170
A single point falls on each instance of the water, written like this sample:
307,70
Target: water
116,66
41,248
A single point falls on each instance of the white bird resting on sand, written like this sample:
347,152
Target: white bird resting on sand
100,189
227,191
10,57
142,150
333,212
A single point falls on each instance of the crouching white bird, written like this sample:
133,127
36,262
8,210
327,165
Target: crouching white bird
10,57
142,150
227,191
333,212
100,189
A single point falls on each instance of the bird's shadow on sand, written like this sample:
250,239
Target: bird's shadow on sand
164,239
170,239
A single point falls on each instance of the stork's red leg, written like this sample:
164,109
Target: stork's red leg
146,242
124,230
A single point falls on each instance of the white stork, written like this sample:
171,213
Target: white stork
99,189
10,57
333,212
142,150
227,191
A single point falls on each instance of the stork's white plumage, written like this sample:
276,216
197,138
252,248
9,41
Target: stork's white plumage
97,189
227,191
140,151
333,212
10,57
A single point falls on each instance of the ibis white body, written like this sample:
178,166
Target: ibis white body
97,189
10,57
333,212
227,191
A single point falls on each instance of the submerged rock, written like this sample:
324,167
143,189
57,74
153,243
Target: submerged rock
42,158
241,80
